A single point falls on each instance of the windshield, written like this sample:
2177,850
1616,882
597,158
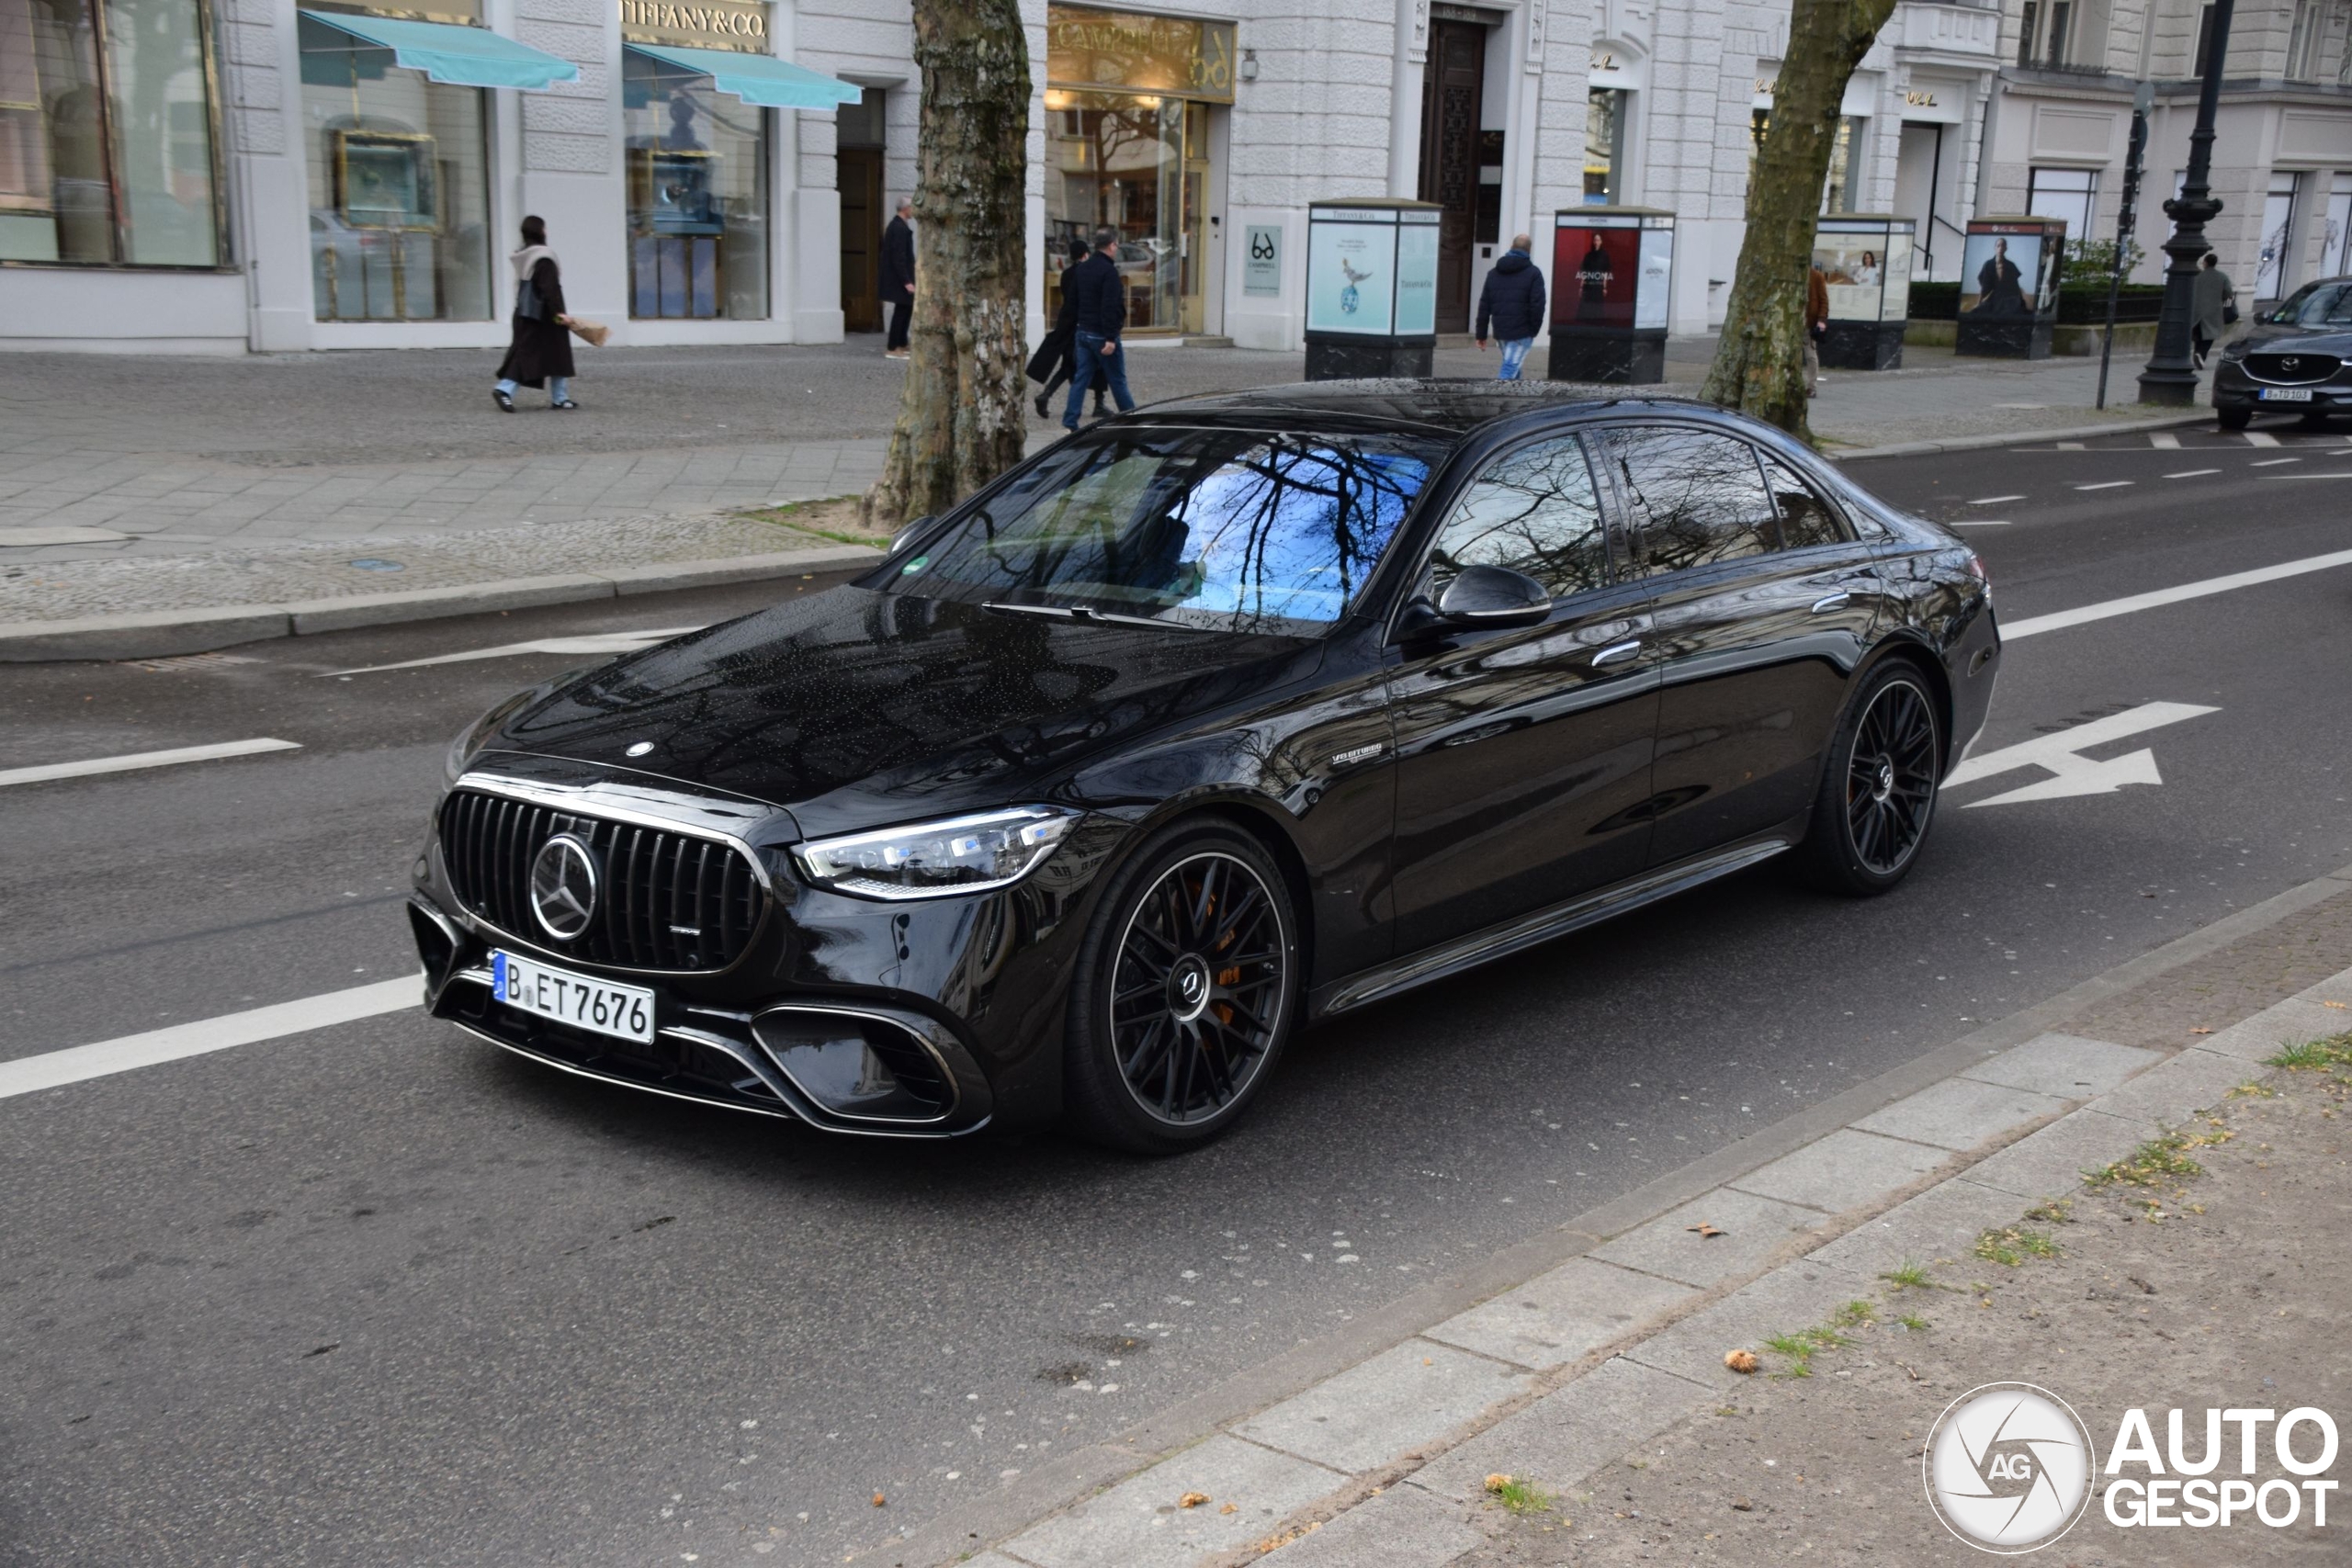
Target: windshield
2315,305
1218,529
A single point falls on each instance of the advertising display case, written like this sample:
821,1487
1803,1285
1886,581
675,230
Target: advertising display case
1866,257
2009,286
1371,287
1613,277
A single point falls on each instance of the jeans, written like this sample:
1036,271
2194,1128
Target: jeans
1514,355
1093,362
558,388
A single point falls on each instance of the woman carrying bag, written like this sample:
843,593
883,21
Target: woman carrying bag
539,354
1055,360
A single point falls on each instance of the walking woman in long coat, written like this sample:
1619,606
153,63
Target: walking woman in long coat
540,351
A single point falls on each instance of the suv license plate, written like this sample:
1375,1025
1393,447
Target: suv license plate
625,1012
2285,394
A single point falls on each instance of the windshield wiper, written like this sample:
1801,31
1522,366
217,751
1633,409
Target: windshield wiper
1097,617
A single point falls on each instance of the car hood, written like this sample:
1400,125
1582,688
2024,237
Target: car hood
854,708
2316,340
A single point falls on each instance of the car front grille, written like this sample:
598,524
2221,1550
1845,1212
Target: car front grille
665,900
2292,369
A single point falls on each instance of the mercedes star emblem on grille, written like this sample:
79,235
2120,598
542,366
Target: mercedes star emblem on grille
563,886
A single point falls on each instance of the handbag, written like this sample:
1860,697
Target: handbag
526,301
592,333
2228,315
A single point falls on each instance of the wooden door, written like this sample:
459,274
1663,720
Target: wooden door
1452,86
861,222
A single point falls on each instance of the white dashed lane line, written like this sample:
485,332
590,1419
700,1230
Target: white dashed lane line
1993,500
2191,473
2273,462
138,760
2106,484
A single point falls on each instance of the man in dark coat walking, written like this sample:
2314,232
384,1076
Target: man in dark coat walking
1100,291
1512,304
899,278
1055,360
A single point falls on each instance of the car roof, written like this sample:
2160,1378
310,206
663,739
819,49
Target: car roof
1441,407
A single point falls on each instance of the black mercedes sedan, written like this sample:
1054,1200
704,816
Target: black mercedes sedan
2296,359
1222,717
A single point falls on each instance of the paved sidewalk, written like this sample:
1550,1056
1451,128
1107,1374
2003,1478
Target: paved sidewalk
1618,1351
143,486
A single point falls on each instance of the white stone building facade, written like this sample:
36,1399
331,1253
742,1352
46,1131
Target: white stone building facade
355,201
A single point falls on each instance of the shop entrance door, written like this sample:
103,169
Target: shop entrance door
1451,90
862,220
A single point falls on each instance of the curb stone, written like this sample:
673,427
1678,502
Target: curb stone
2119,1094
158,634
1980,443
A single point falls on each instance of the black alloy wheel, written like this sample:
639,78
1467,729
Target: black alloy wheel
1185,992
1878,788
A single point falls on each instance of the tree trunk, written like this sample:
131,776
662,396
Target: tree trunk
1760,360
960,418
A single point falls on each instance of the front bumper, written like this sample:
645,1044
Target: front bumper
928,1018
2233,388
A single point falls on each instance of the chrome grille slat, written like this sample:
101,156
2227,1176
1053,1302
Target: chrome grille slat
653,879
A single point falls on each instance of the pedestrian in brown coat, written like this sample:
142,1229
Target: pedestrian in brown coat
1816,325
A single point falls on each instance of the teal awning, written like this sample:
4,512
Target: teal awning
760,79
463,57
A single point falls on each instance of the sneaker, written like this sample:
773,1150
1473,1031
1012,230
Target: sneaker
567,403
505,403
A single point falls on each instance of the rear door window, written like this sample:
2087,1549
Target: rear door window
1806,517
1693,497
1532,510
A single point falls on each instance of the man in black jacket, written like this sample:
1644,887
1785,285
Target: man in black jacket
899,278
1102,296
1512,303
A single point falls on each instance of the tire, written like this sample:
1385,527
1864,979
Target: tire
1877,796
1186,990
2234,418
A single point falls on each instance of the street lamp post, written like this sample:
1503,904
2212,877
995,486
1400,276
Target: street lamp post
2171,374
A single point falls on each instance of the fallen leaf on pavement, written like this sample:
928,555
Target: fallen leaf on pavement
2328,1004
1231,1508
1191,1499
1743,1504
878,1499
1706,1230
1740,1361
1497,1482
2200,1031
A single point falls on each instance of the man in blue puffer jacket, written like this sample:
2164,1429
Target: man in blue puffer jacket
1512,303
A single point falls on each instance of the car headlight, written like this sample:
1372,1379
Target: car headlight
936,860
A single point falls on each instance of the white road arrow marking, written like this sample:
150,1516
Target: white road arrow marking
601,642
2074,774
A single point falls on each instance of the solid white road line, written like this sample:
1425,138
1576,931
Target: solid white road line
54,1069
2273,462
601,642
2067,446
2164,440
2106,484
145,760
2191,473
1993,500
2260,438
1980,522
2034,625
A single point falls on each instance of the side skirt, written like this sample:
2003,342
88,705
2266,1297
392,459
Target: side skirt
1512,936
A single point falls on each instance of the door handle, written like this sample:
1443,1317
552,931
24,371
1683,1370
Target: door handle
1616,653
1829,602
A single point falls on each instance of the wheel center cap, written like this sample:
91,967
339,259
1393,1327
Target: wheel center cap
1188,988
1883,785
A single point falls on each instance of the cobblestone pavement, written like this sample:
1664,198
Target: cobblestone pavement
210,473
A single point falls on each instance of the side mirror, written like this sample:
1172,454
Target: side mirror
1493,596
900,540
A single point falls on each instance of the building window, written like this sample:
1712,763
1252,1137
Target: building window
399,186
107,150
2302,41
697,195
2274,269
1605,146
1848,177
2043,32
2070,194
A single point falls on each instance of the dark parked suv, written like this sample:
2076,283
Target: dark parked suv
2296,359
1224,717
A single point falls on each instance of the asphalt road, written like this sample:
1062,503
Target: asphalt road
378,1295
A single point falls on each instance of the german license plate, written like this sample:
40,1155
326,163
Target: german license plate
625,1012
2285,394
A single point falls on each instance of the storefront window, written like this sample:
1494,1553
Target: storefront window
1843,190
399,186
697,195
1604,145
106,133
1128,147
